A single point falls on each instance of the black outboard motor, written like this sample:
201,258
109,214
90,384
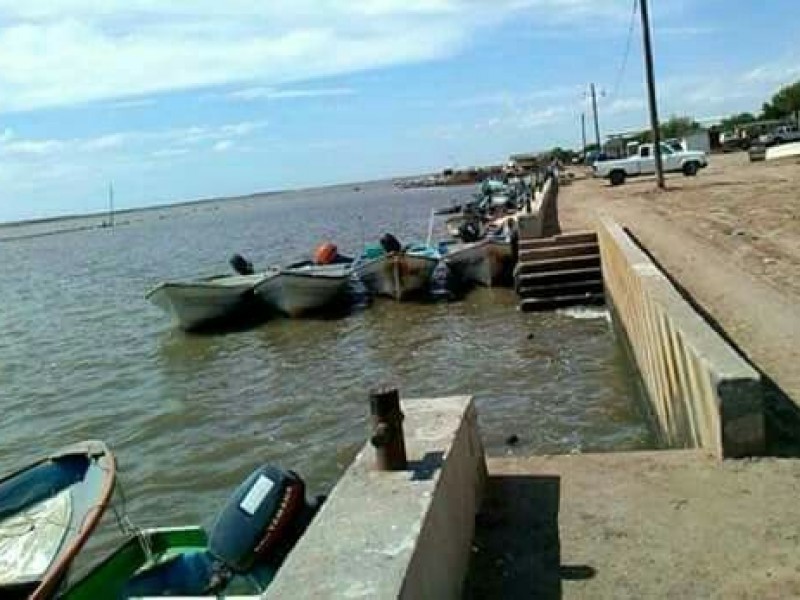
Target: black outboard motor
390,243
241,265
254,531
260,523
469,231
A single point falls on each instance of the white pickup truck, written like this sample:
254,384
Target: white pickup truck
644,163
780,135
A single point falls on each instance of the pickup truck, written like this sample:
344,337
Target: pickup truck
644,163
780,135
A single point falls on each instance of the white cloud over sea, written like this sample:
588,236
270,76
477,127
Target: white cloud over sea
65,52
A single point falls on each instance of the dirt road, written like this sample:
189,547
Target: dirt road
730,237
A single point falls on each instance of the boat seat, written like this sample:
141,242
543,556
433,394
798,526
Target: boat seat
187,574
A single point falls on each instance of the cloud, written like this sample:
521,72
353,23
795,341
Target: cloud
223,145
515,97
174,141
266,93
32,147
773,73
77,51
624,105
169,152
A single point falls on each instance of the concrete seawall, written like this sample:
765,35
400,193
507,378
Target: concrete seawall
702,393
401,534
542,218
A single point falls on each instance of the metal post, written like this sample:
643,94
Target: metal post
596,119
651,95
110,204
387,430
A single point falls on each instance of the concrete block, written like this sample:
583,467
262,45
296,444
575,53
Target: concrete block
542,218
404,534
702,393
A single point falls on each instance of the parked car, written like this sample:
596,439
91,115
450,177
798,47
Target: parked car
644,163
780,135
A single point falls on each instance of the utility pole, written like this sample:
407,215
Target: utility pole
651,94
583,133
596,120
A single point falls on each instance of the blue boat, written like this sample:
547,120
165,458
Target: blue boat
48,510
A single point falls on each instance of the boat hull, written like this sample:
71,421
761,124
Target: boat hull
129,572
194,305
398,276
295,293
50,509
486,262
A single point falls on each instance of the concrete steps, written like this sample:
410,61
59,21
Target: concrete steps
558,272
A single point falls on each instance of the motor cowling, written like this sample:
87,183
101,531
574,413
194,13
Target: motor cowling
469,231
326,254
262,520
390,243
241,265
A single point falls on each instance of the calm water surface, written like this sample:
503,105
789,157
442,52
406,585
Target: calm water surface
82,355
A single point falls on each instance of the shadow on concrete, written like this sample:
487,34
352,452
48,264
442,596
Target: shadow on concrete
423,470
781,413
516,551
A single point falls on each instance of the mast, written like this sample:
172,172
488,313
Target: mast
110,204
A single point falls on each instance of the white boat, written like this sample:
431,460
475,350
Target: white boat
398,275
305,287
486,262
195,304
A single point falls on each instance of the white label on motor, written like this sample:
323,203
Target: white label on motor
256,495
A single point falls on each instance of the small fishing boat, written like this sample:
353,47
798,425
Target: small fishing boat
207,302
396,272
306,287
482,262
239,557
47,512
309,286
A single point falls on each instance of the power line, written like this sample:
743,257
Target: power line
624,63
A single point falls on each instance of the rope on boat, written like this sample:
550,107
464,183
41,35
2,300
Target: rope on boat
126,526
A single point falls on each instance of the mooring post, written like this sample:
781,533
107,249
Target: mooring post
387,430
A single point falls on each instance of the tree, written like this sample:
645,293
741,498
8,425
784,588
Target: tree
787,100
676,127
734,121
770,112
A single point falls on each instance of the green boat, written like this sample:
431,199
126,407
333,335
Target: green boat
238,558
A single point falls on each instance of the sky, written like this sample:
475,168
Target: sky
174,101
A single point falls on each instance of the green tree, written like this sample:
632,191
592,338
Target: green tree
734,121
787,100
770,112
676,127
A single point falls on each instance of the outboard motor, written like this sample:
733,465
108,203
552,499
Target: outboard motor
390,243
241,265
254,531
469,231
261,521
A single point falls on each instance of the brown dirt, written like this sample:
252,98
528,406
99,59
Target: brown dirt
730,237
670,524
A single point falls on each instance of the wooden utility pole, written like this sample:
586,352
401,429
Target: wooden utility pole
651,94
583,133
596,120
